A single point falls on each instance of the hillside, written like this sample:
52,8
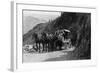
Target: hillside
28,22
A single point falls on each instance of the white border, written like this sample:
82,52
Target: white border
17,52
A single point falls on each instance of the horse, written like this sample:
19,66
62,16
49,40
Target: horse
44,41
51,39
58,43
37,41
54,41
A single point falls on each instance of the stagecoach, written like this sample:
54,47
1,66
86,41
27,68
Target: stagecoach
64,33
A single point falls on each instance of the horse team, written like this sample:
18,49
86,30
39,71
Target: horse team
45,42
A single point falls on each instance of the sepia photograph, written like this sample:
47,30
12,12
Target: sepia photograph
55,36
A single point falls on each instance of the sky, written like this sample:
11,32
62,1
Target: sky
42,14
32,18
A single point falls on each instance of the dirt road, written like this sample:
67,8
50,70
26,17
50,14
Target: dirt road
50,56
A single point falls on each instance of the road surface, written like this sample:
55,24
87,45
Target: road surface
50,56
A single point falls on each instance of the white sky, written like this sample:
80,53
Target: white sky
42,14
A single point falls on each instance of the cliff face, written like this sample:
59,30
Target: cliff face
78,23
80,26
